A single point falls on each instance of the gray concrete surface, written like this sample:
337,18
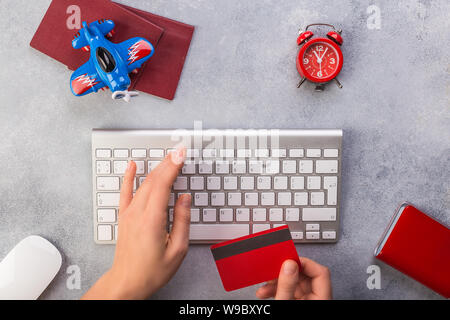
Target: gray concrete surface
240,73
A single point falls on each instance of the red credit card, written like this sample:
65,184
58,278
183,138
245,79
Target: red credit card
255,258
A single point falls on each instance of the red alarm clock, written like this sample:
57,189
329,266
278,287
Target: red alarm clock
320,59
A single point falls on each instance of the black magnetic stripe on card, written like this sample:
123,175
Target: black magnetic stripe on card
249,244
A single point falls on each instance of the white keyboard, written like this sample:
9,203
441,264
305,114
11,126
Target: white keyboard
241,181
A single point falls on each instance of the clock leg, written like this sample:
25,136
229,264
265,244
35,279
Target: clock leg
301,82
338,83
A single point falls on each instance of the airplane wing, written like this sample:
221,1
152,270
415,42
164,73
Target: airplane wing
105,26
135,52
85,80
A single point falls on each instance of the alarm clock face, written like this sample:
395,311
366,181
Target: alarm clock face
320,60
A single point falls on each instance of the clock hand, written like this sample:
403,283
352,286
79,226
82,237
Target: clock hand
318,58
324,53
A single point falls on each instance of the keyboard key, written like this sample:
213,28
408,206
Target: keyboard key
280,183
209,153
301,198
272,166
197,183
116,232
226,153
120,153
108,199
329,235
243,214
276,214
108,183
317,198
213,183
289,166
297,235
139,153
120,167
171,199
292,214
239,167
326,166
284,199
201,199
234,199
251,199
103,153
296,153
330,153
103,167
106,215
230,183
313,227
195,215
255,167
205,167
192,153
313,183
181,183
140,167
104,232
226,215
247,183
330,184
312,235
188,167
222,167
218,231
262,153
313,153
244,153
305,166
217,199
263,183
156,153
259,214
260,227
279,153
209,215
319,214
297,183
267,198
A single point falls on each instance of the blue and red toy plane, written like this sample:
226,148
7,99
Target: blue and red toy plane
110,63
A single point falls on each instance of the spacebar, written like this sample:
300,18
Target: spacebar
218,231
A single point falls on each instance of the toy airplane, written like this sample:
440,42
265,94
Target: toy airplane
110,63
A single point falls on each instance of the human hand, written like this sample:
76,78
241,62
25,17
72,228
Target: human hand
147,256
312,283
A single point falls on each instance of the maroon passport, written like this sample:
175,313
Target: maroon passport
161,76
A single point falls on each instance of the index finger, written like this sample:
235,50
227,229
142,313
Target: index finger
163,177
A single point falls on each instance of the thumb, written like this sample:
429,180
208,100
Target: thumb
287,281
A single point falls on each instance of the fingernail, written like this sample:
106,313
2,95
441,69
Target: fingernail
178,156
186,200
289,267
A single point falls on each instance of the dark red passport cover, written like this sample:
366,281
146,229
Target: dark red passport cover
255,258
161,76
418,246
54,38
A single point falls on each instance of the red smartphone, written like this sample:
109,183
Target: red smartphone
419,246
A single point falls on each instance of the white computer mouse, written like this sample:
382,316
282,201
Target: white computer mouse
28,269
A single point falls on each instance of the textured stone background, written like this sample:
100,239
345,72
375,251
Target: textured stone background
240,73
